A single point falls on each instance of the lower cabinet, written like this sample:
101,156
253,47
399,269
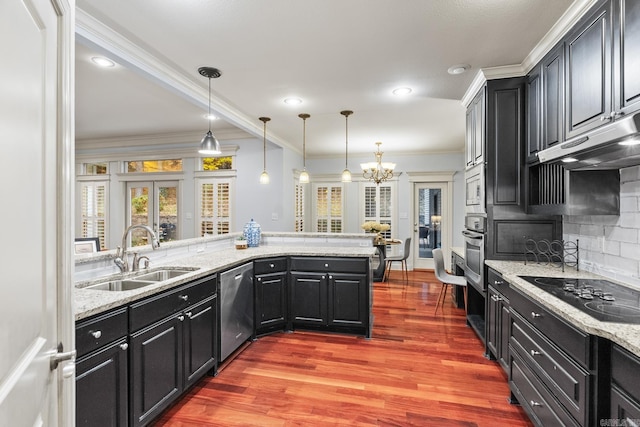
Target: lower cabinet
169,356
498,318
553,366
625,389
102,396
271,302
330,294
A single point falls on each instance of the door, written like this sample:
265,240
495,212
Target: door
153,203
36,118
431,221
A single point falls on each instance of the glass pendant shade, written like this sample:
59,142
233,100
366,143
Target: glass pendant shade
346,175
304,177
264,177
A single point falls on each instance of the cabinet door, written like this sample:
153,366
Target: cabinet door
552,70
200,333
271,302
534,108
309,299
493,310
156,369
347,304
101,387
470,135
505,332
588,73
626,58
479,126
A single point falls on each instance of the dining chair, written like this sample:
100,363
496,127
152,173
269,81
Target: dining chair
446,279
402,258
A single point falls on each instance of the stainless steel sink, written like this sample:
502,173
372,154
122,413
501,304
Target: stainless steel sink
140,280
120,285
162,275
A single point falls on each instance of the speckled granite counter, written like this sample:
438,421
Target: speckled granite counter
625,335
458,250
89,302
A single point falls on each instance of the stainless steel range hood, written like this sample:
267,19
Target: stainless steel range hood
612,146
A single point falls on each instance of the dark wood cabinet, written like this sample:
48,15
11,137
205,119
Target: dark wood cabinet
173,346
475,131
534,114
102,370
498,319
588,72
330,294
552,111
626,45
625,389
271,291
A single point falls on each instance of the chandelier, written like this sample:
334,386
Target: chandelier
377,171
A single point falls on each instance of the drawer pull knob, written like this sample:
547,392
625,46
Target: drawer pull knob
498,282
535,353
96,334
183,297
534,403
534,314
181,318
330,277
189,314
124,346
271,265
326,265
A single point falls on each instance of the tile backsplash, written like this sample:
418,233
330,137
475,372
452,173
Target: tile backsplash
610,244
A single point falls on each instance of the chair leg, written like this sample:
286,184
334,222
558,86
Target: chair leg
441,297
465,299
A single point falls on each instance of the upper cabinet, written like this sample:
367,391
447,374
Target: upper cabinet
475,135
588,72
626,61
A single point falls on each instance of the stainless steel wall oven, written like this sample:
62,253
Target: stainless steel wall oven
474,254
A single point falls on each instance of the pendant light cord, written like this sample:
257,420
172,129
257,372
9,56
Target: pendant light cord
209,115
346,142
264,147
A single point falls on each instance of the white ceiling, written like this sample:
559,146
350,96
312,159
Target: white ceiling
333,54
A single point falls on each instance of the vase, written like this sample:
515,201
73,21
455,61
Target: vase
252,232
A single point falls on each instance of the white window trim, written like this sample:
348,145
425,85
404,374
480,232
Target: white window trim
214,179
393,184
104,242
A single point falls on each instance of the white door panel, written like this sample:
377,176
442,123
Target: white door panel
34,130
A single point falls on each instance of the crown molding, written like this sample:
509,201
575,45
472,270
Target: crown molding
147,140
91,32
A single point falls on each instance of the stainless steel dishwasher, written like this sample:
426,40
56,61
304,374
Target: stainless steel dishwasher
236,308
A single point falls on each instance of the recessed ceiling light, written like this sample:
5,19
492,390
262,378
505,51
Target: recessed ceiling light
210,117
102,61
631,141
569,160
458,69
402,91
293,101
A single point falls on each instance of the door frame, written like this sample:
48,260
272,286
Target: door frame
445,180
153,205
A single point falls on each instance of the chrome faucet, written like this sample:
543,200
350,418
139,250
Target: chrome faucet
121,252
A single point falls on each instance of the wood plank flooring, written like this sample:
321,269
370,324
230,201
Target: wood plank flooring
417,370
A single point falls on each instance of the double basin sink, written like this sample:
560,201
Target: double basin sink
140,280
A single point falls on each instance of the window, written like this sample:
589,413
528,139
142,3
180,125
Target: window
150,166
217,163
93,210
378,205
328,208
215,206
94,169
299,207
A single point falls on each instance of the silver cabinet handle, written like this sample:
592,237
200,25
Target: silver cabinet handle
96,334
183,297
181,318
534,403
189,314
271,265
498,282
259,279
124,346
326,265
330,277
534,314
535,353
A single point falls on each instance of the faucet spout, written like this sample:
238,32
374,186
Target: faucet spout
121,254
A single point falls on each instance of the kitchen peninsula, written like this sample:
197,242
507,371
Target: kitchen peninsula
139,350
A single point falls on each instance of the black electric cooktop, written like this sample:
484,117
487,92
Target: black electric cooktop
602,299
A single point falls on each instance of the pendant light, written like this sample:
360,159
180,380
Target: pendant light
264,176
209,144
304,175
346,175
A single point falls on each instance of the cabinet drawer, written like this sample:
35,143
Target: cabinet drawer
334,265
574,342
542,408
96,332
272,265
569,382
495,280
624,370
152,309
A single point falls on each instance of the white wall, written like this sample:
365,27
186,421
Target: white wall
610,244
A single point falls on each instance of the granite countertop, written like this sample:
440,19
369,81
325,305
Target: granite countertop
625,335
89,302
458,250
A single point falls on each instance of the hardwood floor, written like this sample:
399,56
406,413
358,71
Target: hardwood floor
417,370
